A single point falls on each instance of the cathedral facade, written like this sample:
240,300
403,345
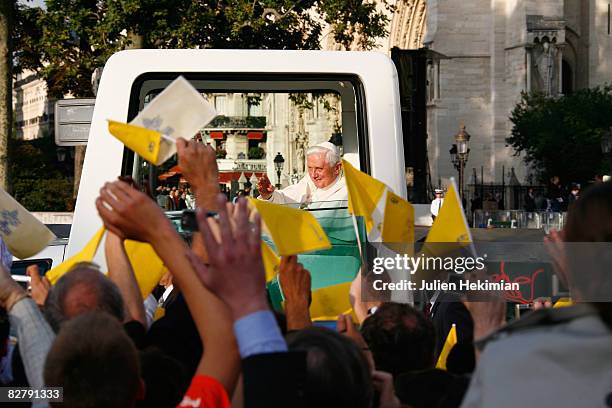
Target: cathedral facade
492,50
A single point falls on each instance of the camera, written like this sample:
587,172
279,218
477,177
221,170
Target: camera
189,221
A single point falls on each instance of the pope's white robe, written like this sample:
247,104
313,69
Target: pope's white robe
306,193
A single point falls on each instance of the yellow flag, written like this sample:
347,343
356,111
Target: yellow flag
330,302
293,231
364,193
147,266
85,255
563,302
145,142
450,342
450,225
398,222
271,261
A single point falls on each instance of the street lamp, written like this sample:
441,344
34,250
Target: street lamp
279,163
459,153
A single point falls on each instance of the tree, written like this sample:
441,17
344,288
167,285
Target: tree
562,136
71,38
6,85
40,181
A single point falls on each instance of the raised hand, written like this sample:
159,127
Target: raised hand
10,291
39,286
295,284
345,326
555,246
129,213
265,187
198,163
235,271
383,383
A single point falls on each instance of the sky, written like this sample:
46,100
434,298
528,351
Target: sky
33,3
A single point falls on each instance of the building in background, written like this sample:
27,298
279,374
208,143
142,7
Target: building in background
252,128
489,51
32,108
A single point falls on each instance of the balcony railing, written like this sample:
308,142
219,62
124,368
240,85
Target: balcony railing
237,122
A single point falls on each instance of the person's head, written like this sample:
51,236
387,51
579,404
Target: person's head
554,180
95,362
438,193
82,289
575,188
337,371
590,220
166,379
400,337
324,165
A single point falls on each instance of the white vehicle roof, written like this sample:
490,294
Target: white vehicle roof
103,160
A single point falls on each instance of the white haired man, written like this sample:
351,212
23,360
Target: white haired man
324,181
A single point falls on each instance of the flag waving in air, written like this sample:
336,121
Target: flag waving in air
293,231
450,226
449,343
178,111
146,142
388,217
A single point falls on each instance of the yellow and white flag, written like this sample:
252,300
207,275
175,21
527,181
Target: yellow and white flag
449,343
450,226
271,261
147,266
84,255
22,233
293,231
145,142
388,217
178,111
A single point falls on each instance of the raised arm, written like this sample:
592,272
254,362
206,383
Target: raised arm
121,273
295,284
131,214
33,332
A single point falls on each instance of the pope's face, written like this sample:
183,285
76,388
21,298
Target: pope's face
321,173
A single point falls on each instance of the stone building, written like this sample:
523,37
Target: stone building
252,128
33,109
494,50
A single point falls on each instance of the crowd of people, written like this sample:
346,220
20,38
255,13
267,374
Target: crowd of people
207,336
174,198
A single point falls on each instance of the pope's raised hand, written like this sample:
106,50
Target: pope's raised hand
264,187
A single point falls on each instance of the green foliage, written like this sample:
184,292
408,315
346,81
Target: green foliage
68,40
39,181
563,136
256,152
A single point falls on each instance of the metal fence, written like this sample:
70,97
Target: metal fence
545,220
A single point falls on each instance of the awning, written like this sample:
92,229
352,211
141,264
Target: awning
216,135
255,135
167,175
229,176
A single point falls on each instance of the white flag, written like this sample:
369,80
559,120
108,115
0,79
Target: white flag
24,235
178,111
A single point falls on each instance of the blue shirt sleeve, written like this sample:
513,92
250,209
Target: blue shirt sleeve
258,333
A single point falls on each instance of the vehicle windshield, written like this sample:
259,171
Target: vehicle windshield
260,132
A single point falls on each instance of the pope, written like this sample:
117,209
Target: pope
324,181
